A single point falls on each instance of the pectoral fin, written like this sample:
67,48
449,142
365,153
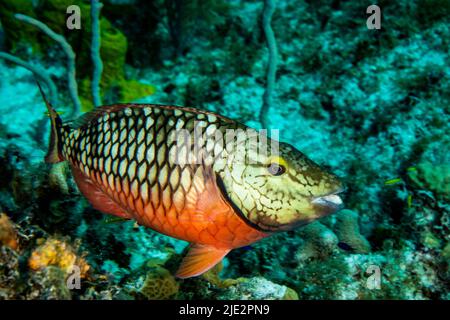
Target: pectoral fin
200,259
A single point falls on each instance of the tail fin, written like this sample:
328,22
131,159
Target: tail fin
54,150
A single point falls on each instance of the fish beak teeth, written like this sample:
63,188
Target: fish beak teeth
332,200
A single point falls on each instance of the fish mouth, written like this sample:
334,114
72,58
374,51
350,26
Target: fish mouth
331,202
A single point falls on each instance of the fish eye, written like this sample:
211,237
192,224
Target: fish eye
276,169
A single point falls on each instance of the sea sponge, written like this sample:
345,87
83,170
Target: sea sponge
213,277
56,252
132,90
8,233
159,284
113,82
48,284
347,230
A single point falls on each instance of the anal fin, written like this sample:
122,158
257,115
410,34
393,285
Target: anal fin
96,197
200,259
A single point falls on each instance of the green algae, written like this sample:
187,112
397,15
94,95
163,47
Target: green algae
17,34
435,178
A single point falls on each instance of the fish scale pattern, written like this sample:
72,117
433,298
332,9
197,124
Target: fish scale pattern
131,154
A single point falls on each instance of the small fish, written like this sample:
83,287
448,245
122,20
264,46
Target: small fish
393,181
114,220
122,159
409,200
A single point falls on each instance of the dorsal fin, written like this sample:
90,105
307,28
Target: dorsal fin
99,111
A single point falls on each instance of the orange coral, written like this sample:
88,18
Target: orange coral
8,234
55,252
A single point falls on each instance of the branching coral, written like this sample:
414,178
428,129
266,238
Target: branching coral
38,72
67,48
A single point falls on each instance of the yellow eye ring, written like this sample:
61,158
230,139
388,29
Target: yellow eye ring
277,166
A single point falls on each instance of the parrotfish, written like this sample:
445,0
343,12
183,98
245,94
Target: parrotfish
125,159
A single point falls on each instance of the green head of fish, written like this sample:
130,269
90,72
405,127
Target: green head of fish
280,190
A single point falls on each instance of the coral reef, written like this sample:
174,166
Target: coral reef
115,86
68,51
319,241
371,105
347,231
257,288
9,273
95,53
159,284
436,178
50,284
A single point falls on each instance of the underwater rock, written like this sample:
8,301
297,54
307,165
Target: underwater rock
257,288
319,242
9,273
347,230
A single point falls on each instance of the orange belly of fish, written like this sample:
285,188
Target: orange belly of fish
211,222
223,230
